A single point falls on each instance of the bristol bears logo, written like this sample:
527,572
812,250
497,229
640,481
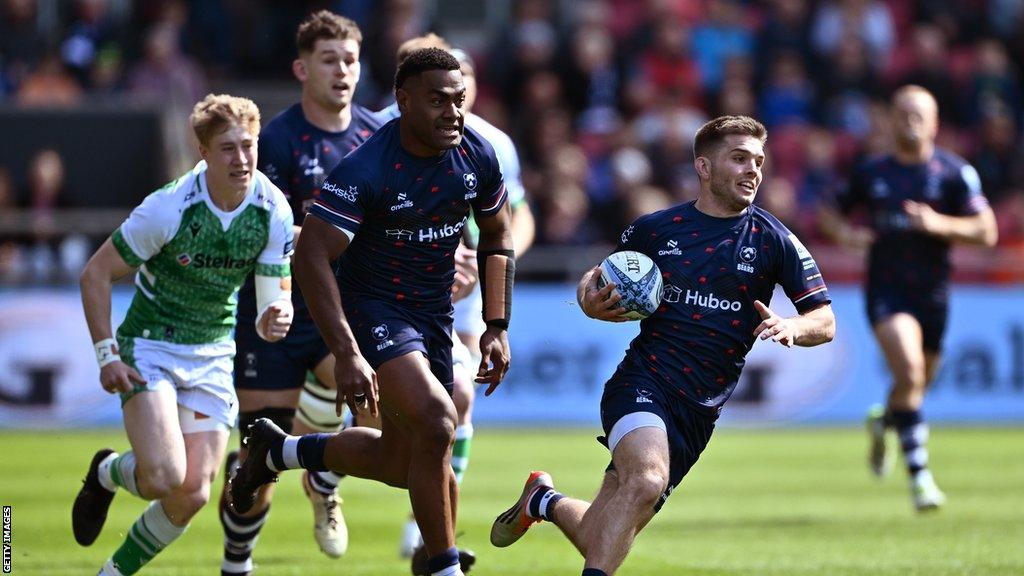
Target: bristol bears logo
469,179
747,254
381,334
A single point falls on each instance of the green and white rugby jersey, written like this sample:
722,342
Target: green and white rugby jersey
192,257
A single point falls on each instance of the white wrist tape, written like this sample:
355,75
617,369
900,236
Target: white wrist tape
271,290
106,352
284,303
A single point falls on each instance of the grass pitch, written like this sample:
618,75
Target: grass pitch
789,502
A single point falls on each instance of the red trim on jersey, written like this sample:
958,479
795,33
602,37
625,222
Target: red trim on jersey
497,202
809,293
332,211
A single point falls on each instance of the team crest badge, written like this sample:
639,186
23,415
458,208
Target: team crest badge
748,253
469,180
380,332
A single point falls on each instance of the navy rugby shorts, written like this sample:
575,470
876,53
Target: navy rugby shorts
281,365
385,331
631,401
930,313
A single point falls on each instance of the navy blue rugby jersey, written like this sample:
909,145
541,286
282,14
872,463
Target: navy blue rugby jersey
404,215
901,259
695,344
297,156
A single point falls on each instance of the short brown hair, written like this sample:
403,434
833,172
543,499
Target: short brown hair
215,113
714,132
428,40
325,25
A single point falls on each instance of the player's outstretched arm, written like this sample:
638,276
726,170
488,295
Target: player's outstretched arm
599,303
838,229
96,283
497,265
319,245
979,229
811,328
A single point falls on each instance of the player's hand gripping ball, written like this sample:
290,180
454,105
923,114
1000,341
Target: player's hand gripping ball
637,278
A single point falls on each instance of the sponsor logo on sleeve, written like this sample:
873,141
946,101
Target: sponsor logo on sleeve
626,234
801,250
351,193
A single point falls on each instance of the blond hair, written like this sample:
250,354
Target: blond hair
714,132
428,40
217,112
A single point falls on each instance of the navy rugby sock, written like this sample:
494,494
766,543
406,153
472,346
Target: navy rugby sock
305,451
542,503
913,434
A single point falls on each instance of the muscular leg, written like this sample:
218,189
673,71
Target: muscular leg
413,448
901,340
167,518
160,463
642,464
204,451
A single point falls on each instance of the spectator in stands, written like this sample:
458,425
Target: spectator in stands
666,62
22,44
166,73
930,69
788,95
51,255
591,78
10,249
848,85
93,30
49,85
786,30
870,20
720,35
995,83
998,158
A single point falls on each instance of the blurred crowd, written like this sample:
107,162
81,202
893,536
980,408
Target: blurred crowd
602,97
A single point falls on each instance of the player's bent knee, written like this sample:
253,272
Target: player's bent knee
645,487
160,480
437,433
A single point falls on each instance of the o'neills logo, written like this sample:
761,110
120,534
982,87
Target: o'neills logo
711,301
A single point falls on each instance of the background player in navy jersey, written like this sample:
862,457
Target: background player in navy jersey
298,148
920,199
392,215
721,258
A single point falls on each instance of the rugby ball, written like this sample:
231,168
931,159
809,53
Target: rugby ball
637,279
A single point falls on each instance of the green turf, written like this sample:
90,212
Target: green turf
783,503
